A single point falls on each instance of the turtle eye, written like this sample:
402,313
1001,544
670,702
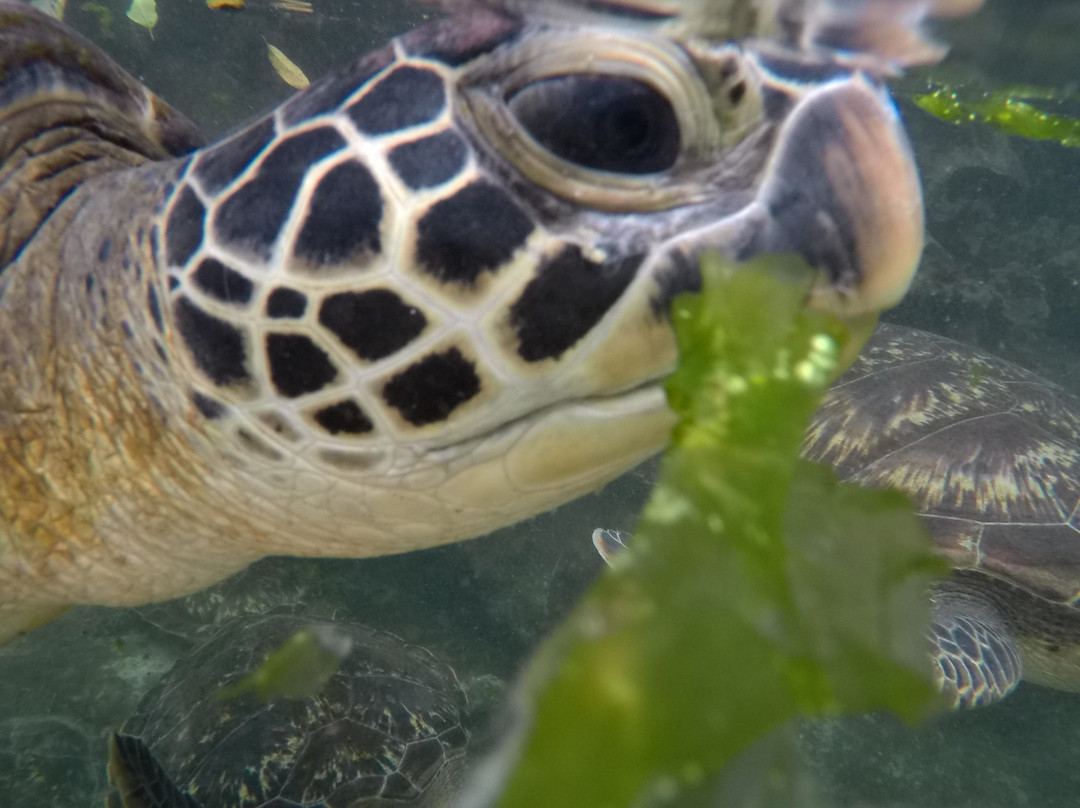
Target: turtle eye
607,123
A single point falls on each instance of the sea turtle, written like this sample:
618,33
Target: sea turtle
423,298
990,454
390,727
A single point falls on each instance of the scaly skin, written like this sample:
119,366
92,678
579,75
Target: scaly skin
120,492
99,441
145,458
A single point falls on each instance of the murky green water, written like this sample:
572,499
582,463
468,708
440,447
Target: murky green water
1001,271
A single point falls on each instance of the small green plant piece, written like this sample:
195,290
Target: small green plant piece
756,589
298,669
104,15
144,13
1006,109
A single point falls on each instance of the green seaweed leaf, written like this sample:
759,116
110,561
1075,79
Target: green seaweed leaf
756,589
104,15
298,669
1006,109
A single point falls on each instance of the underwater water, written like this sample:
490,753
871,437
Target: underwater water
1001,271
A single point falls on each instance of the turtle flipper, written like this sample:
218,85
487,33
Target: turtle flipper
48,71
17,619
68,112
976,660
139,779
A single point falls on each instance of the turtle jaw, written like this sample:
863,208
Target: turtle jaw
550,456
841,190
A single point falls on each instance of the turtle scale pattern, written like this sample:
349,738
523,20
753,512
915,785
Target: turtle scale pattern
388,728
989,454
400,309
321,263
987,450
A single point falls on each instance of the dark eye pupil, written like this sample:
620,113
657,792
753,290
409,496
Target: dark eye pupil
606,123
629,129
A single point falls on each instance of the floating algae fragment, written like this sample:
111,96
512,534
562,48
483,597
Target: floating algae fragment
144,13
289,72
104,15
298,669
756,589
1005,109
297,6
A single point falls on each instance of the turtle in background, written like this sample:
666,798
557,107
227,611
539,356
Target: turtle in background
389,727
425,297
990,455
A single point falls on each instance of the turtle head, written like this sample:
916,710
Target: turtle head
744,128
441,277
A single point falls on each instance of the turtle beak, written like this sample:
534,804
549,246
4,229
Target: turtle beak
841,190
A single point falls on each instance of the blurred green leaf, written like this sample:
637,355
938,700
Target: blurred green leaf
299,668
756,589
1006,109
104,16
144,13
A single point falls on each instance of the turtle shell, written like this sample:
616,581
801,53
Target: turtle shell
386,729
990,453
